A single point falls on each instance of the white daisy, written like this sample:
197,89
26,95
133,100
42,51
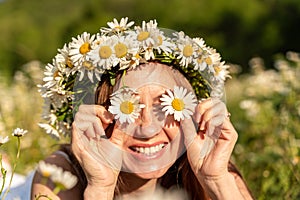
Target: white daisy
147,37
52,75
186,49
55,97
49,129
59,96
162,43
200,42
116,27
221,72
132,61
80,46
125,105
125,46
3,140
91,70
63,60
103,55
46,169
144,34
209,59
64,128
44,91
178,103
125,49
18,132
64,180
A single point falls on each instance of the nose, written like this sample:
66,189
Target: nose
146,116
149,124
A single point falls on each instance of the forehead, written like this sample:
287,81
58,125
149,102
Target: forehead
151,91
153,74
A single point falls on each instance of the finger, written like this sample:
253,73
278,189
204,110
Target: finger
228,131
212,125
214,112
189,129
93,121
98,115
202,106
105,116
207,103
99,111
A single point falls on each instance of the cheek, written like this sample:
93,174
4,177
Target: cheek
171,127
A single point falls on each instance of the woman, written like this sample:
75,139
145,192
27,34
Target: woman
146,130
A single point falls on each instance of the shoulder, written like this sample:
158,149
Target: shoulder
42,186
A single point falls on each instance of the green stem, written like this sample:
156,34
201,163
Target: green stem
56,190
42,195
3,172
14,168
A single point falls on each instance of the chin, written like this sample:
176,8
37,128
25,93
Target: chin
154,174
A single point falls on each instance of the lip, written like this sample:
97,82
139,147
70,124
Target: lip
157,150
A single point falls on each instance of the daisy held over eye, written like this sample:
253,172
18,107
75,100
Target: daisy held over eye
143,107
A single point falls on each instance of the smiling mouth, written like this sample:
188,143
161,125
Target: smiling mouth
148,150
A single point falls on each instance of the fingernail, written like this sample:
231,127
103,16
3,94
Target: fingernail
202,126
197,118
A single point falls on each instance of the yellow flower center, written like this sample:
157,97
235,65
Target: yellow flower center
188,50
105,52
200,60
200,51
160,40
143,35
119,28
137,56
126,107
56,74
69,63
121,50
178,104
86,47
208,61
217,70
46,174
88,65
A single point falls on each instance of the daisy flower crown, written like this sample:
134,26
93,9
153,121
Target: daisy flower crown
118,48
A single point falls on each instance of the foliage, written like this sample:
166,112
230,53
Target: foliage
33,30
267,119
21,106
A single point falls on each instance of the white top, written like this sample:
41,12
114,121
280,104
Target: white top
21,190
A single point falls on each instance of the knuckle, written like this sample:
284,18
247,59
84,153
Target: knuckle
81,108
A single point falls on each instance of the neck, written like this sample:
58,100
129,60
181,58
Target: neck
134,186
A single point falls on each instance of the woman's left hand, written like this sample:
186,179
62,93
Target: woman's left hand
211,118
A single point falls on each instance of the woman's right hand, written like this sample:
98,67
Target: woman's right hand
93,149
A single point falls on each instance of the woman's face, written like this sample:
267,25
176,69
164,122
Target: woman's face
154,141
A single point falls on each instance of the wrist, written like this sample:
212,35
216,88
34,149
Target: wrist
221,187
93,192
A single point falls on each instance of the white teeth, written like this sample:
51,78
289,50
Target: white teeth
149,150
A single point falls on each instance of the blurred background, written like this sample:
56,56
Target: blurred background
259,38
